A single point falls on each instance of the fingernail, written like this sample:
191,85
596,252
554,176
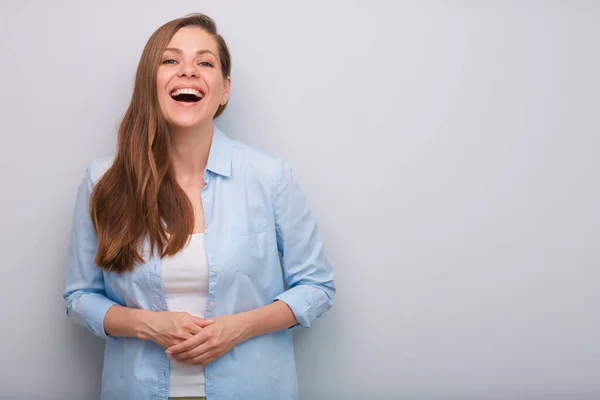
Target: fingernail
168,353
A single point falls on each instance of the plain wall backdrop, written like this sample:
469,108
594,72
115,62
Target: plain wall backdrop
450,151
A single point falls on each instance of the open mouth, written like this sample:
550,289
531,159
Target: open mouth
187,95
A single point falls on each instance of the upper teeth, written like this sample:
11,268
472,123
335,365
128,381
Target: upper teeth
195,92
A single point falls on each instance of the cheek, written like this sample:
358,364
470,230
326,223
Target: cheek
162,100
216,84
162,79
161,84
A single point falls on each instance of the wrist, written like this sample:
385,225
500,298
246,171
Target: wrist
247,324
142,323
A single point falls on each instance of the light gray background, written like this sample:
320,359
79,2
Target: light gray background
449,150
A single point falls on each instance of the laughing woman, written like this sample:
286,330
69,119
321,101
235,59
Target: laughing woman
192,254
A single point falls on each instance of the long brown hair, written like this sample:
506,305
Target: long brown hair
138,198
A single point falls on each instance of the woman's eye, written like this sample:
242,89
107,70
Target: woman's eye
169,61
205,64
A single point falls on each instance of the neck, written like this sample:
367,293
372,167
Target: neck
189,151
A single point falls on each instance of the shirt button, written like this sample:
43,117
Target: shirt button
210,376
215,269
206,199
206,231
212,304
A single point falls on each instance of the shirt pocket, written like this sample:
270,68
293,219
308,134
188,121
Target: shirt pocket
249,241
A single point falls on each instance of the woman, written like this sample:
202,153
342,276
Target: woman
181,244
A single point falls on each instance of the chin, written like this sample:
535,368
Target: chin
186,123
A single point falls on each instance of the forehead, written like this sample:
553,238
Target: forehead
191,39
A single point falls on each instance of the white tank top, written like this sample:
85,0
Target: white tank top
185,284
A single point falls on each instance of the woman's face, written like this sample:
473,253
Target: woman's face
189,81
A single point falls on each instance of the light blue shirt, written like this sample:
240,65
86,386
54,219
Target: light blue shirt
260,235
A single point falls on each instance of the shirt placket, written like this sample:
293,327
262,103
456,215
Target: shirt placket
209,233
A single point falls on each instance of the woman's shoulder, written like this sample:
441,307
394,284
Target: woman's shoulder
243,152
98,167
256,161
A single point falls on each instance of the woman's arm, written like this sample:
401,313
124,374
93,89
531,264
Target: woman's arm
84,291
126,322
165,328
307,271
270,318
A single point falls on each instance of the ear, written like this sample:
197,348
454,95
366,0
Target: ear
226,90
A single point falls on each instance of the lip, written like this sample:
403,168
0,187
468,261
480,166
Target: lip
184,104
196,87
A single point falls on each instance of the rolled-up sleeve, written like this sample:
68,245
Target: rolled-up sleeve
84,291
307,271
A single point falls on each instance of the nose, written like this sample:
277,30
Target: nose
188,69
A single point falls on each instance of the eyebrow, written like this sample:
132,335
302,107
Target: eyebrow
199,52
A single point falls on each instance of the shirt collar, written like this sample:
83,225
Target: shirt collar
220,154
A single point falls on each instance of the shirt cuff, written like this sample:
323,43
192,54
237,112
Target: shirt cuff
92,308
295,298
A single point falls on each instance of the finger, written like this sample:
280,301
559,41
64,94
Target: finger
212,358
203,323
187,345
186,356
208,361
204,359
194,329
